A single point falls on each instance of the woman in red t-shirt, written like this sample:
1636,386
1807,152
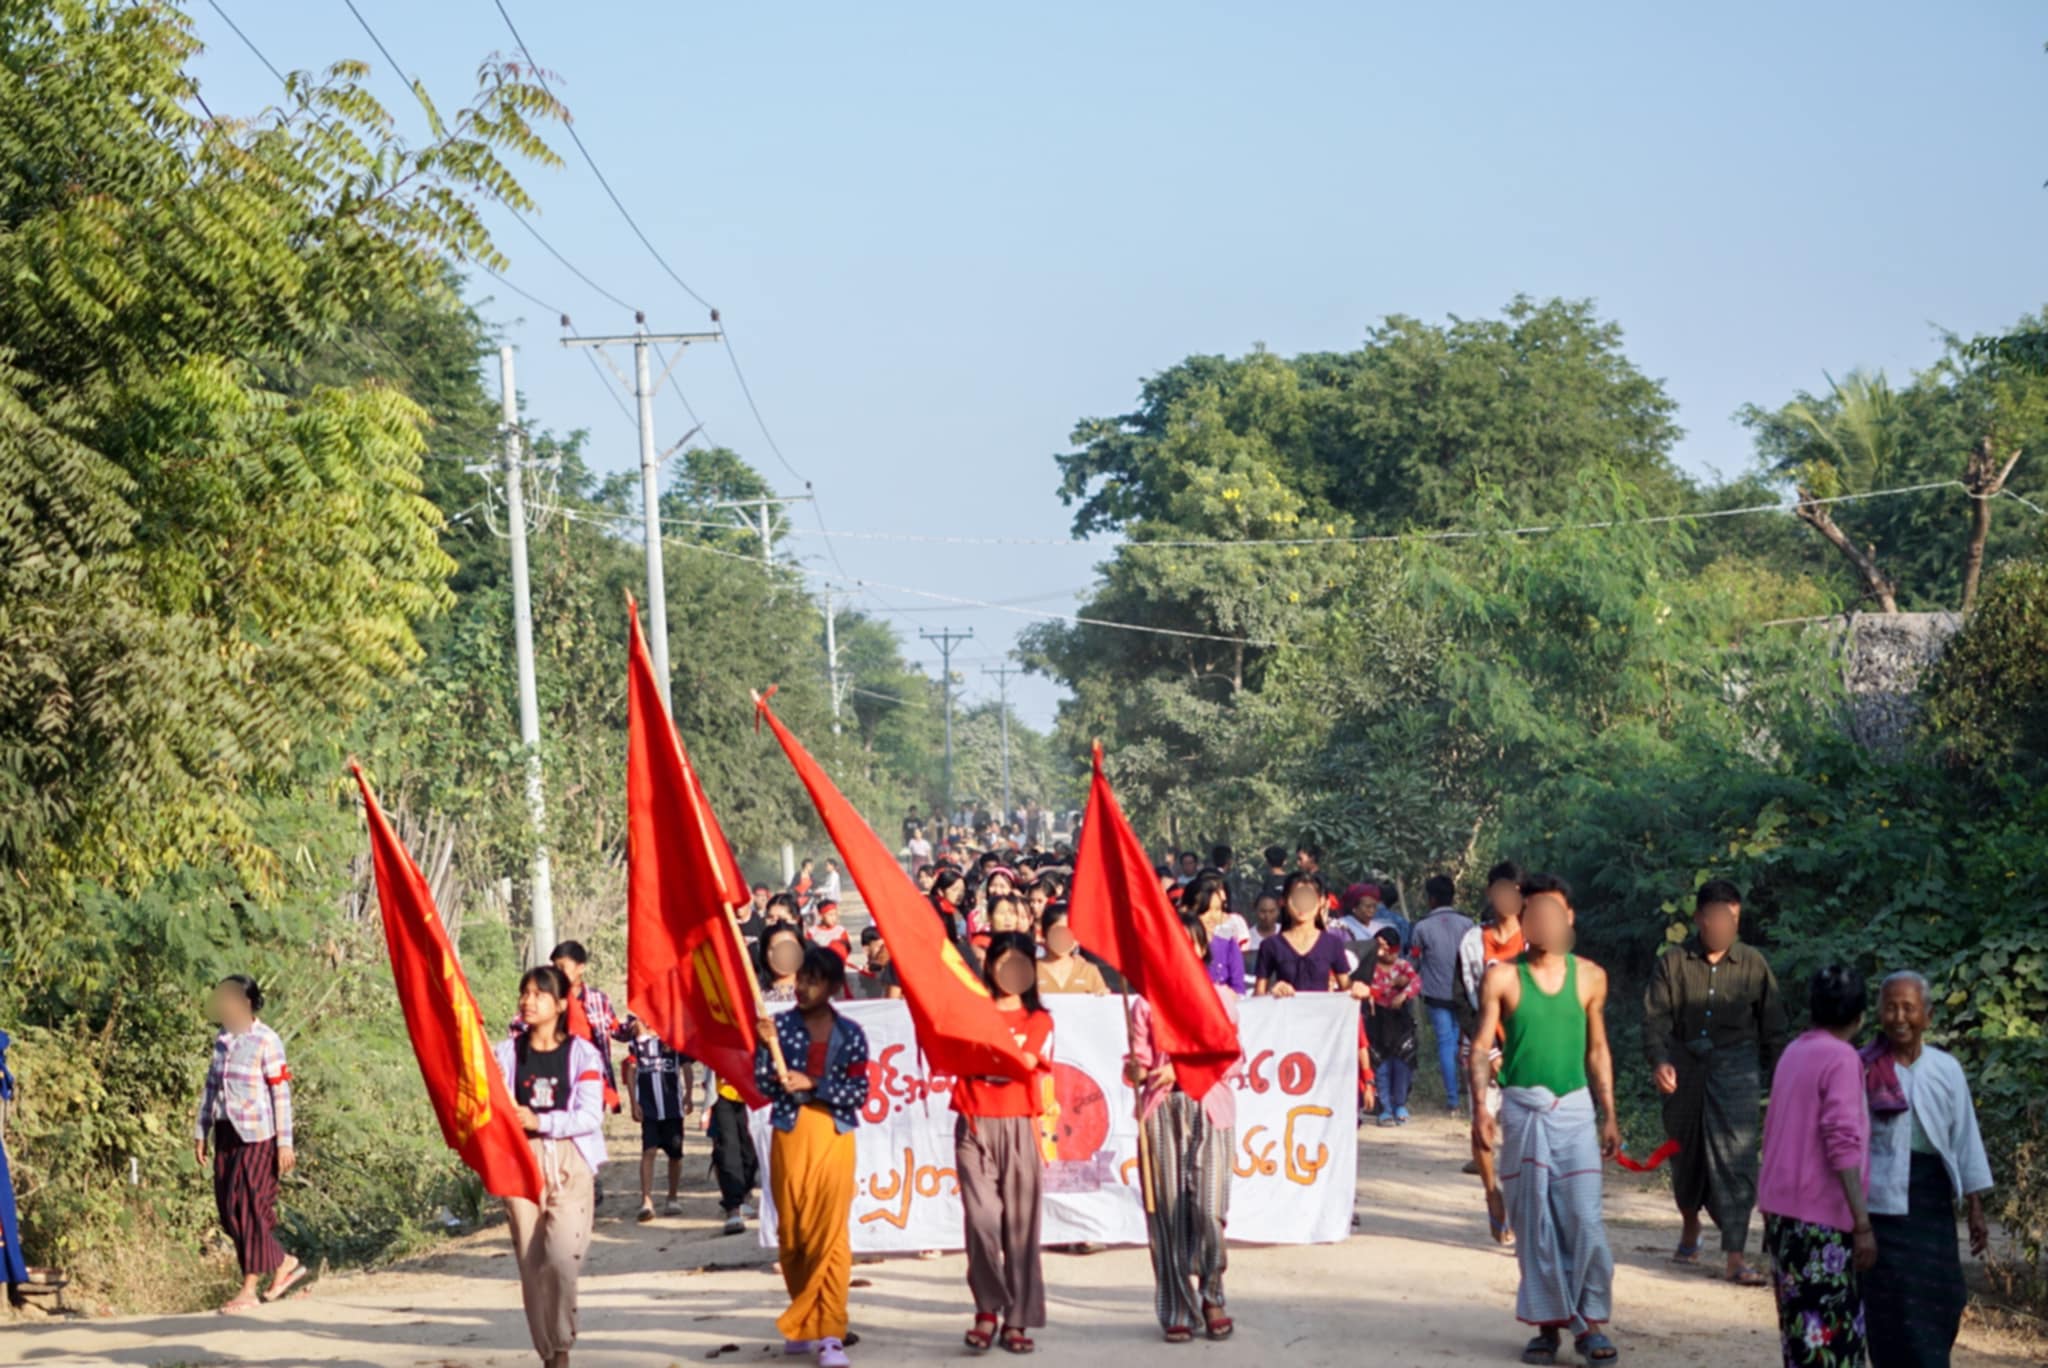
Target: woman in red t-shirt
998,1156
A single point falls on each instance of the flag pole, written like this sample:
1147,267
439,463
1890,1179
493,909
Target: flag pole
1130,1051
762,1020
1138,1105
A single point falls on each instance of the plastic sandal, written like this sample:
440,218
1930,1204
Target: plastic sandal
1542,1349
1220,1327
1016,1341
1595,1347
282,1289
1686,1254
1178,1334
832,1354
980,1340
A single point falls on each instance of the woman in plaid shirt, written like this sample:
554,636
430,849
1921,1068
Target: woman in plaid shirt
246,1115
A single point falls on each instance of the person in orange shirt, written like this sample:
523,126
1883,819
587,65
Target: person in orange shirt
1498,941
999,1160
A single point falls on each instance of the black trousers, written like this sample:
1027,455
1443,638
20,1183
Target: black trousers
733,1161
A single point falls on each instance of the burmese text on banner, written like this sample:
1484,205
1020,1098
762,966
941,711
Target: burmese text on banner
1295,1151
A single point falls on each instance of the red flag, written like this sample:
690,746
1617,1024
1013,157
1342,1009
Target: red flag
1117,909
958,1027
463,1080
687,974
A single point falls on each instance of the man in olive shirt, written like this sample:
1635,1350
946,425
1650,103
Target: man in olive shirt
1713,1026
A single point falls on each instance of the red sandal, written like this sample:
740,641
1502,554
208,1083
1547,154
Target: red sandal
1016,1341
1178,1334
1220,1326
978,1339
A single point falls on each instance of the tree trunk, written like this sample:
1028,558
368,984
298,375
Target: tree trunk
1984,478
1876,583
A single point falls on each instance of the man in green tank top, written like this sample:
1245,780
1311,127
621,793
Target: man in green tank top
1556,1125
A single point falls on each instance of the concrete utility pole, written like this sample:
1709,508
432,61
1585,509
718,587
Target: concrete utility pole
542,893
763,523
832,655
1002,674
946,639
650,468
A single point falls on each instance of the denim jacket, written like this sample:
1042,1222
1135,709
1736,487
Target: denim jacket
843,1088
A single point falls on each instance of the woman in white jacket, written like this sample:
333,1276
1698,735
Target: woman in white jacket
1925,1155
557,1086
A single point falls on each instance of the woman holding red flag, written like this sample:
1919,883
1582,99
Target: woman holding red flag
1000,1161
815,1102
557,1085
1188,1144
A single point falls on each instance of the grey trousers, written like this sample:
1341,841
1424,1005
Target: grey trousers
1000,1168
1190,1207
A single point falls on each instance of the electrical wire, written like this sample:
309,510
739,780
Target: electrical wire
399,69
608,388
732,355
1388,538
534,70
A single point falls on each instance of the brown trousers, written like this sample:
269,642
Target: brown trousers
1001,1167
810,1173
549,1240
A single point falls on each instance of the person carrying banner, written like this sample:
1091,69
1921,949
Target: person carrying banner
814,1110
1555,1066
1188,1143
245,1114
1000,1161
557,1084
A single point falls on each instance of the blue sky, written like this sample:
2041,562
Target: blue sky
941,233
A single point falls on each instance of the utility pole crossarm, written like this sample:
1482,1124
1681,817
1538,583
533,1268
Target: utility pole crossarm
651,339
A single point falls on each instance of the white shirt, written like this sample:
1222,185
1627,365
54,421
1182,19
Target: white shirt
829,890
1232,927
1936,1089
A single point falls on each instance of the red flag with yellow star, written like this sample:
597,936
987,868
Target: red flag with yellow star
463,1079
958,1027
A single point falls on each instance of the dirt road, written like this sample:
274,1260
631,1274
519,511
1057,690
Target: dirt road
1419,1284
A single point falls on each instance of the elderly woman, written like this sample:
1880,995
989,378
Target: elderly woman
1925,1154
1816,1171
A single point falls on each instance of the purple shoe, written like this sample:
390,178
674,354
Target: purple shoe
832,1354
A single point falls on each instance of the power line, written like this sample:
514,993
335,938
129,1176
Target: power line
540,77
731,353
248,42
504,280
1388,538
610,389
399,69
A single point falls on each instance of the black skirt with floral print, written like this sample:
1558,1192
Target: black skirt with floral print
1820,1299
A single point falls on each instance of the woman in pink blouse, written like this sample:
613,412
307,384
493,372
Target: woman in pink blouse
1188,1203
1816,1173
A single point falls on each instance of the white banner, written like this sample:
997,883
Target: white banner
1295,1151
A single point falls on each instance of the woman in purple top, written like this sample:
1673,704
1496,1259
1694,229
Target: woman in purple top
1208,901
1816,1171
1303,958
